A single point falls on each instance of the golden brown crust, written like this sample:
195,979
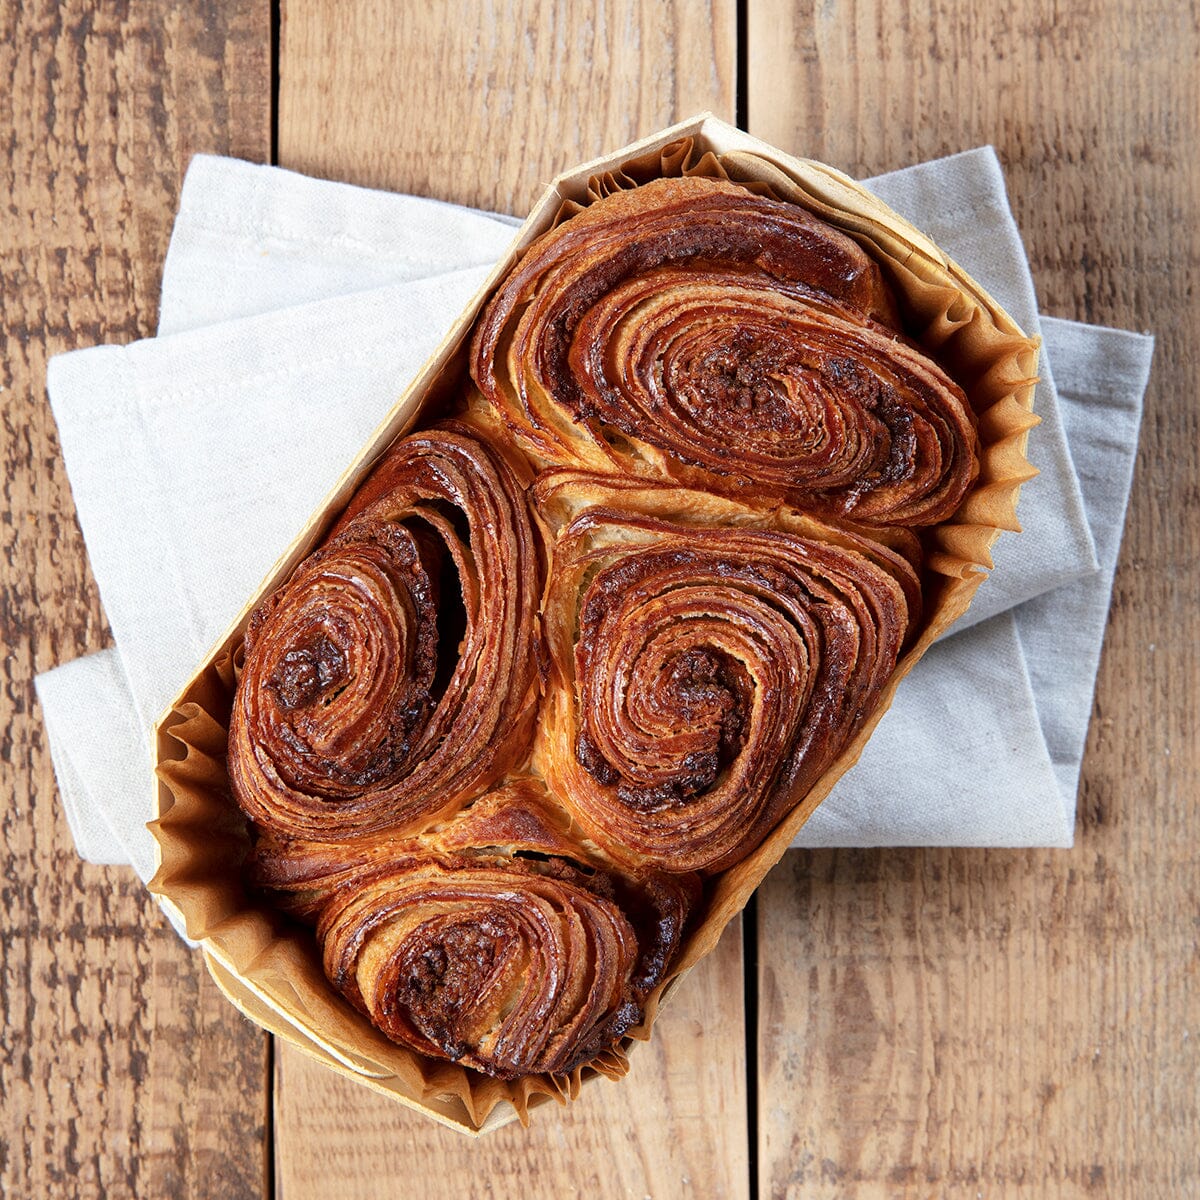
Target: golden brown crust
358,711
495,940
561,659
691,330
703,676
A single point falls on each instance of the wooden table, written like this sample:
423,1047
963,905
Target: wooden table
885,1023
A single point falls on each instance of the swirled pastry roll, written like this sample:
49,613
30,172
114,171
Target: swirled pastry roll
395,675
704,676
496,941
563,660
693,330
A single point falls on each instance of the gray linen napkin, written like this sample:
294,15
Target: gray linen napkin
286,296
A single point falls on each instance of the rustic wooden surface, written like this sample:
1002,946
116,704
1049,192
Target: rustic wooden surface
494,107
950,1023
482,108
122,1072
962,1023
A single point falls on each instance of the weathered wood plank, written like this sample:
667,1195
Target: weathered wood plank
1017,1024
482,110
483,107
674,1127
122,1071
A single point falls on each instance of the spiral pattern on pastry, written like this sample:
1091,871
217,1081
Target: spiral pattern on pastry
691,329
371,698
748,448
501,970
512,959
706,677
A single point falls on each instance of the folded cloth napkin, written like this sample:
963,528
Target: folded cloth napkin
294,311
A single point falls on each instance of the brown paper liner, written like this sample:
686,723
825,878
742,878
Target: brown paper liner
268,966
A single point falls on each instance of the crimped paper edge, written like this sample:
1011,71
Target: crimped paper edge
186,841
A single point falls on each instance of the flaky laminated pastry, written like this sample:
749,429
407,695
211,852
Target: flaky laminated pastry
598,617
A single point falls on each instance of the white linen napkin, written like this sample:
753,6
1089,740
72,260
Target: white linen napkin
293,313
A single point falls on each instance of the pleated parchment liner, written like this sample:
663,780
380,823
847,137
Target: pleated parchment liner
269,967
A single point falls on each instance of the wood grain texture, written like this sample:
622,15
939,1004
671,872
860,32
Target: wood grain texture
674,1127
966,1023
483,111
931,1023
122,1071
483,103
